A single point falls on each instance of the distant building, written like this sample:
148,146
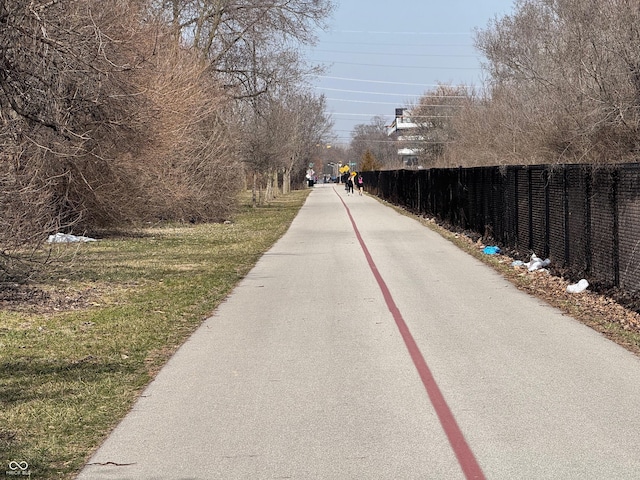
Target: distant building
405,131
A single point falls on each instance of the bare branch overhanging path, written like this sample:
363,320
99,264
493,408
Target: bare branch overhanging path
304,371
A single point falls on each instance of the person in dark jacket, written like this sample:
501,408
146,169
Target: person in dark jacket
350,185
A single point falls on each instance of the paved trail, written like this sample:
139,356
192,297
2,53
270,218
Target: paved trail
363,345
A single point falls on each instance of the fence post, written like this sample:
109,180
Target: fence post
587,211
565,227
616,231
530,212
547,214
516,209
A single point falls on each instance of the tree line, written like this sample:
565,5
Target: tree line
562,87
122,112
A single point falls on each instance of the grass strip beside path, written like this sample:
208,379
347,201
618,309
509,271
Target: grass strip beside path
73,362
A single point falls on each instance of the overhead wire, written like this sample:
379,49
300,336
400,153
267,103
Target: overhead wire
417,95
422,67
361,101
400,54
368,93
418,45
387,82
391,115
373,32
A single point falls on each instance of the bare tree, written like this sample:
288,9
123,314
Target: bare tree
66,111
252,43
373,138
434,115
104,122
570,70
308,126
116,111
253,47
280,137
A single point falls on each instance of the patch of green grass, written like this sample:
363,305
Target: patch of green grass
68,374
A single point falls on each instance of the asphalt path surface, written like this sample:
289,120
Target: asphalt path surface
363,345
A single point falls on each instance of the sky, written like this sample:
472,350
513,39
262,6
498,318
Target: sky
381,55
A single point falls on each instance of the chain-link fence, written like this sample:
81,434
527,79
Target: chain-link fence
584,218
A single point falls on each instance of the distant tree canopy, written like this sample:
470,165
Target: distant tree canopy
369,163
373,138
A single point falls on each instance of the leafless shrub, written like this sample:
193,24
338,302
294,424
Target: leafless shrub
65,113
103,125
114,112
68,106
435,113
564,82
190,169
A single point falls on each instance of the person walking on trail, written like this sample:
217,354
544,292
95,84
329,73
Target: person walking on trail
360,183
350,186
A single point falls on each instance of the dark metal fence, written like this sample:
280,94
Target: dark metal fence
584,218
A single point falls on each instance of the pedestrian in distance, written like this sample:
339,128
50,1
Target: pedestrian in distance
360,183
350,186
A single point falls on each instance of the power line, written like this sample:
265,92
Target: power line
395,142
396,54
385,103
390,94
371,93
389,83
406,144
466,45
387,115
362,101
422,67
365,114
366,32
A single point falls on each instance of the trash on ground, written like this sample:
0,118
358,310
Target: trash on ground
68,238
579,287
491,250
537,263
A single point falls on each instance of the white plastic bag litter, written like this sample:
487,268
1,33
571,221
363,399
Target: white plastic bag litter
68,238
579,287
537,263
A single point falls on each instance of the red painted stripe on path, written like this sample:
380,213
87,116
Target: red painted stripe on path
463,453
